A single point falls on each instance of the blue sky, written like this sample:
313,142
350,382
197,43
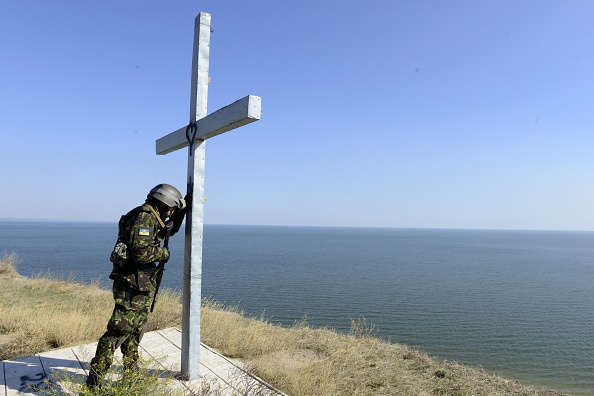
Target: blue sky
449,114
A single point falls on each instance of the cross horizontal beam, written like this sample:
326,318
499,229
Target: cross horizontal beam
241,112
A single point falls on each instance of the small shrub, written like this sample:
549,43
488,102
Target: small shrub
151,379
9,264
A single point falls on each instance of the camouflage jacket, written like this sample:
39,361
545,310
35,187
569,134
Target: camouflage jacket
143,231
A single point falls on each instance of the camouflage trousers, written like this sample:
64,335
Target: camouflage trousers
125,327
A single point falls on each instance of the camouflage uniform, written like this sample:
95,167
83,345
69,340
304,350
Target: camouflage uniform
133,287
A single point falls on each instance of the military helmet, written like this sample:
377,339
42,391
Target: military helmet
168,194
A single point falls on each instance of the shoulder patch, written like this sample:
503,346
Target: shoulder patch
144,231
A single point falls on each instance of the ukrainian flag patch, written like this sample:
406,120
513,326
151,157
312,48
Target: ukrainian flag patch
144,231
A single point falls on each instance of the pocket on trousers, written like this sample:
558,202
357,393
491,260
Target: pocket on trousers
144,282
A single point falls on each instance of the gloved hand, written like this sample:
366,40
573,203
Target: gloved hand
164,255
188,199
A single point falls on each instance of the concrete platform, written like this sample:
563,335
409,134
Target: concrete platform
224,376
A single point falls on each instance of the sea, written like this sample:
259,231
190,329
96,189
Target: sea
519,304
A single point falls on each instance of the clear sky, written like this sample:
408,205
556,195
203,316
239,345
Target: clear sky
390,113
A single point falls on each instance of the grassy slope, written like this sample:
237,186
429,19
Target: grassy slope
44,313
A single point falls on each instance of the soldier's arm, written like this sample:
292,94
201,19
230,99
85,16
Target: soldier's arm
178,216
144,243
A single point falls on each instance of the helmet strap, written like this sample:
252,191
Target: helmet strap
155,203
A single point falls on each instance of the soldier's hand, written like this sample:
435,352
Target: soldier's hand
165,253
188,199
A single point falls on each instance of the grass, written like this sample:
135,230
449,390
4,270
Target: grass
44,313
147,381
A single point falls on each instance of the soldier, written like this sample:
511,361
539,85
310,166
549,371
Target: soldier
134,265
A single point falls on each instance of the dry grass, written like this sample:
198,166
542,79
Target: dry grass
9,265
44,313
306,361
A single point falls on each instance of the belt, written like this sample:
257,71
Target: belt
147,266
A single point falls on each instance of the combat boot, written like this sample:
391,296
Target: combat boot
93,380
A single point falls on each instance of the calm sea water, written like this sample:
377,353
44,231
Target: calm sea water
517,303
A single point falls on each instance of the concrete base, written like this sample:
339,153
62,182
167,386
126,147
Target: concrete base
28,375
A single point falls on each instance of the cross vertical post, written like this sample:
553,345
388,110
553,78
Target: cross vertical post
200,128
192,287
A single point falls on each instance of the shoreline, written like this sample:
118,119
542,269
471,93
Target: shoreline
297,360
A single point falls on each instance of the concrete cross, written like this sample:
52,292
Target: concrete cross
200,128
